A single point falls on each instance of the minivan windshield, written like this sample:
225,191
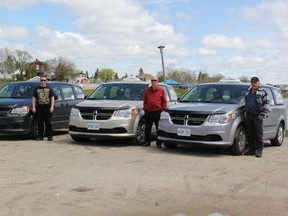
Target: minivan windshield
216,93
18,90
119,91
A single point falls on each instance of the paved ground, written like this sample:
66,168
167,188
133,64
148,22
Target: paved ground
115,178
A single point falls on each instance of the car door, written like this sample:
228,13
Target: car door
270,124
58,116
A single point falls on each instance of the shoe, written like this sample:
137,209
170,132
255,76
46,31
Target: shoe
39,138
249,152
259,152
159,146
146,144
50,138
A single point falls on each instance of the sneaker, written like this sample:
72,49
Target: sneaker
146,144
159,146
39,138
259,152
249,152
50,138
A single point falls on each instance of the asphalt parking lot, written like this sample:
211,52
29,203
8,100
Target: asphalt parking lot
112,177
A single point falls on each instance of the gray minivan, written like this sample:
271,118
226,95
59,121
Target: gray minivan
212,114
114,110
16,116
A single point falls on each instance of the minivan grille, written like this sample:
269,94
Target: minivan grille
4,111
95,114
188,118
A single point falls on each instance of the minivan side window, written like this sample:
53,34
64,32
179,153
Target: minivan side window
270,95
57,91
67,92
278,96
79,93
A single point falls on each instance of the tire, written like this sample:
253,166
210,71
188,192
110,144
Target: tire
79,139
239,142
140,134
34,129
278,140
170,146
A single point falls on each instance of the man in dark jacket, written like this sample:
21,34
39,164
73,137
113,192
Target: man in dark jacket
256,109
43,105
154,103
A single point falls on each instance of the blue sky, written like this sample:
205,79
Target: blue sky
233,38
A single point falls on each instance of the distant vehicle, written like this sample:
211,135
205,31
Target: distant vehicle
212,114
16,116
113,110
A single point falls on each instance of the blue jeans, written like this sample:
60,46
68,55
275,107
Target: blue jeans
254,129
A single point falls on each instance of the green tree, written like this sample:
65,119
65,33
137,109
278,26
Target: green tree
141,71
62,69
106,74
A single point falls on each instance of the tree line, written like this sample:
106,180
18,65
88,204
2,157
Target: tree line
62,69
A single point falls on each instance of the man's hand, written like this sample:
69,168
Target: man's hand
33,109
51,109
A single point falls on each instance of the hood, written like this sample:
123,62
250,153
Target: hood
110,104
15,102
207,108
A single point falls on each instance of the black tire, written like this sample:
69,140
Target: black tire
140,134
79,139
278,140
170,146
34,129
239,142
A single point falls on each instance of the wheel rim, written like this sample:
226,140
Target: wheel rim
242,140
141,133
280,134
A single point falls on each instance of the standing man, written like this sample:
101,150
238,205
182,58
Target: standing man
43,105
154,103
256,109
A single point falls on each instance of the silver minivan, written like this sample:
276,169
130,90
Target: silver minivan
113,110
212,114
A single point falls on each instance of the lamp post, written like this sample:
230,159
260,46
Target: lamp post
163,68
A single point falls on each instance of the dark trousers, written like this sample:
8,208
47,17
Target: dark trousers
150,118
44,117
254,128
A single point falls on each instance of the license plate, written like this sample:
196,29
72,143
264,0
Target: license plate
183,132
93,126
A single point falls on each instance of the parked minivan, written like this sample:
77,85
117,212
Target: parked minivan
16,116
212,114
114,110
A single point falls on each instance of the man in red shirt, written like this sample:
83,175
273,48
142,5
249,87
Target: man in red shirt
154,103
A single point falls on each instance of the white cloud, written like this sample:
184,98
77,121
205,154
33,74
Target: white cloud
13,32
206,52
222,41
246,61
273,13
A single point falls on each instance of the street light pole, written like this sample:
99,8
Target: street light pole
163,68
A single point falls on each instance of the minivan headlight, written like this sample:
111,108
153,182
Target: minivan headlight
164,115
125,113
20,110
220,118
74,112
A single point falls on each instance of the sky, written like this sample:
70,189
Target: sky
232,38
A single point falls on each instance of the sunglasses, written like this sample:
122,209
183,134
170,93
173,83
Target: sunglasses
43,80
154,80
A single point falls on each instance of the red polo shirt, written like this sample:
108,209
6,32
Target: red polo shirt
154,100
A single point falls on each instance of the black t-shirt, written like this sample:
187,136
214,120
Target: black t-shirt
43,97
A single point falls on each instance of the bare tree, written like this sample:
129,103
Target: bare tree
22,58
7,62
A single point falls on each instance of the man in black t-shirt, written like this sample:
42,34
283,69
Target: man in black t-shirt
43,105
